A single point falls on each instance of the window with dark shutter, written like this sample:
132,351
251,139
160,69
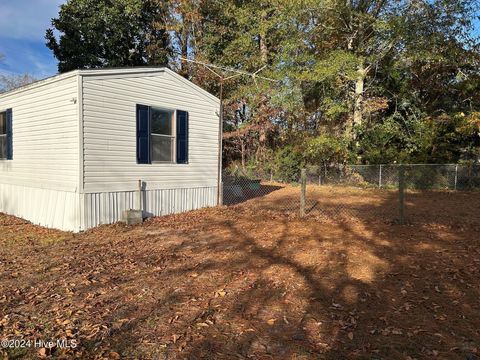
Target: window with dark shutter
143,134
9,135
182,137
6,139
161,139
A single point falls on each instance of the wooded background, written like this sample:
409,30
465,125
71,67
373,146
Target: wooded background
358,81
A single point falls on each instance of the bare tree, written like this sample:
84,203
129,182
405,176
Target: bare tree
12,81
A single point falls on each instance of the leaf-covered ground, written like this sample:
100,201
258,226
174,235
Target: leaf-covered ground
244,282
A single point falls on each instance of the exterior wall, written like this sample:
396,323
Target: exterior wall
109,132
41,183
74,149
110,169
45,136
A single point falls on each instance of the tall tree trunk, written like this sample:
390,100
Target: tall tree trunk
184,39
263,48
263,39
359,92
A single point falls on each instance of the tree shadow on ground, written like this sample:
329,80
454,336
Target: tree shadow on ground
298,288
385,291
248,282
237,193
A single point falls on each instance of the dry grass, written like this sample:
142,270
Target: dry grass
248,282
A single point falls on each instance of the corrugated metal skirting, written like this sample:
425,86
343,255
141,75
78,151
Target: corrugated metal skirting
46,207
107,208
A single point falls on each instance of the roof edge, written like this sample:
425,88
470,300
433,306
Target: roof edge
192,85
106,72
124,70
41,82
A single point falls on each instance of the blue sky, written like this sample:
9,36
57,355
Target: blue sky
22,30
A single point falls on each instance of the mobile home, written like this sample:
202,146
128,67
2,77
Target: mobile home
74,147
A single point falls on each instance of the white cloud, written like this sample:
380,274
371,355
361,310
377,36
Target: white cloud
27,19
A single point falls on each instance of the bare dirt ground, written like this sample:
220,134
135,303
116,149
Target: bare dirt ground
249,281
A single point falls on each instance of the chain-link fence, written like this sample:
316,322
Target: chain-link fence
417,176
394,193
261,190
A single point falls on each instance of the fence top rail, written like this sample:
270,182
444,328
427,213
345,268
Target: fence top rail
368,165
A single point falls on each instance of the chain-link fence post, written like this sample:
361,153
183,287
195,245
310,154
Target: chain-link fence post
456,177
380,177
303,191
401,193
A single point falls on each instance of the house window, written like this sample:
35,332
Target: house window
162,135
3,135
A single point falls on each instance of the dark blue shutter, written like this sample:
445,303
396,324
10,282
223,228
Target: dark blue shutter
9,135
182,137
143,134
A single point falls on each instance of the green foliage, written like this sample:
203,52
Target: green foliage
326,149
382,143
455,137
443,139
338,64
370,82
426,178
288,162
104,33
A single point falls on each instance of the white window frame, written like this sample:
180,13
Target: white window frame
173,137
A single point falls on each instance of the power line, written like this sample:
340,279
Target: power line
228,69
224,78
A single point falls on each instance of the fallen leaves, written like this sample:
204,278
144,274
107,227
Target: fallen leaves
220,293
114,355
242,283
391,331
42,353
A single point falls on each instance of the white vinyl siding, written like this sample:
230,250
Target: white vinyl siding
74,148
109,131
45,135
